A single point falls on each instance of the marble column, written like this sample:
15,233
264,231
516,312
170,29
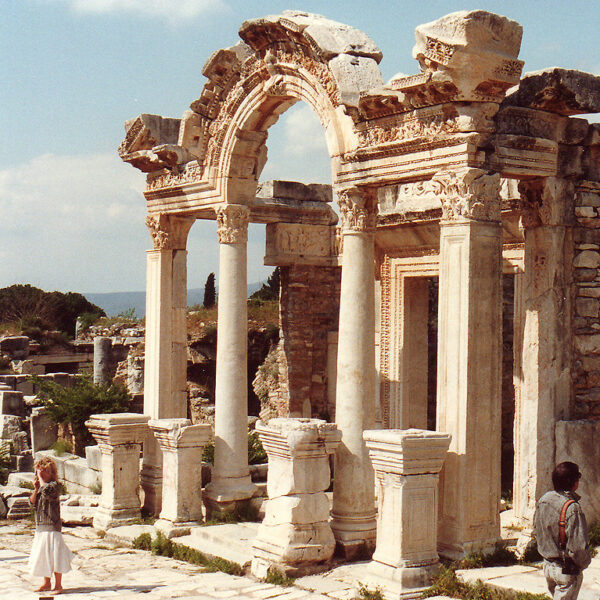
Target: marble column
120,437
469,359
102,360
353,514
181,444
295,537
545,368
231,482
406,463
165,385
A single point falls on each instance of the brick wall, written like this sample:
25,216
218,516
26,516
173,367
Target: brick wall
309,309
586,275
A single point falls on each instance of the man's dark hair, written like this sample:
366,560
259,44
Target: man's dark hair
564,476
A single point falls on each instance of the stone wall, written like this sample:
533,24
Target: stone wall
586,292
309,309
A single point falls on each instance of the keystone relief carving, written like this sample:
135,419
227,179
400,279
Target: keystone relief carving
232,224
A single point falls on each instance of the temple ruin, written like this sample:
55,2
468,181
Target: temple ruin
457,175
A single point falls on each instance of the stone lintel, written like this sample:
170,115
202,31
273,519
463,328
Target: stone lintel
294,190
407,451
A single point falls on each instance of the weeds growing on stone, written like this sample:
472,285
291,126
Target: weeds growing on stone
447,584
276,578
368,594
26,485
162,546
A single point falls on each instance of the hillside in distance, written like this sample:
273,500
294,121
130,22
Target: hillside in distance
114,303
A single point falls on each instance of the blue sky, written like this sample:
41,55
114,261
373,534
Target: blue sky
74,70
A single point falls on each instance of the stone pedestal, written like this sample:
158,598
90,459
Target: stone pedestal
181,444
295,537
119,437
231,483
353,514
165,387
470,360
406,463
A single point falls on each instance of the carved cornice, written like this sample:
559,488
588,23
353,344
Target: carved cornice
470,194
232,223
168,232
357,210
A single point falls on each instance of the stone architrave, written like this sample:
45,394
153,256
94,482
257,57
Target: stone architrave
546,362
406,463
181,444
295,536
353,516
231,482
165,388
469,359
120,437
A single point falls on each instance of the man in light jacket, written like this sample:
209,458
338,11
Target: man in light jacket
565,555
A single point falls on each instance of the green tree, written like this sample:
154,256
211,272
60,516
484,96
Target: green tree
210,295
74,405
270,289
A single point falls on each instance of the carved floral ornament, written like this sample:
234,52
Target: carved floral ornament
168,232
232,223
464,194
357,210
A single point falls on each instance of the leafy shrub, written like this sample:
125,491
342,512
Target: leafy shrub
74,405
368,594
256,452
61,447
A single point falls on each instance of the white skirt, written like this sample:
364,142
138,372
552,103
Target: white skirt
49,554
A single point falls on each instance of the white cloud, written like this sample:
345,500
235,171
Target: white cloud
171,10
72,222
297,150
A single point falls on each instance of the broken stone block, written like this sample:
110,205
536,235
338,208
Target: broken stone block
19,507
93,457
44,431
3,509
16,346
12,403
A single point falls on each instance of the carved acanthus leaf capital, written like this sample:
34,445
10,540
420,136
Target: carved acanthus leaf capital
358,211
168,232
546,201
468,194
232,223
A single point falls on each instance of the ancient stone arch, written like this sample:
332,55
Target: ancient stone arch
448,173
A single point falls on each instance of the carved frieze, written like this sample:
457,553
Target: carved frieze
191,173
232,223
357,210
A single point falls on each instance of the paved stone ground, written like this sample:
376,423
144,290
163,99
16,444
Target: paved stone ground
106,570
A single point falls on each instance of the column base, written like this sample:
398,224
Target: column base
355,535
107,518
295,549
458,550
227,495
173,530
151,482
399,582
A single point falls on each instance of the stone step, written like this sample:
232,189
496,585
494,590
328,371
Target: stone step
19,508
232,542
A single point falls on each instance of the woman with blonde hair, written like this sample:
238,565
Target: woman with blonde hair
49,553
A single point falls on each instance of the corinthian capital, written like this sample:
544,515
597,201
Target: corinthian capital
168,232
546,201
468,194
357,210
232,223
